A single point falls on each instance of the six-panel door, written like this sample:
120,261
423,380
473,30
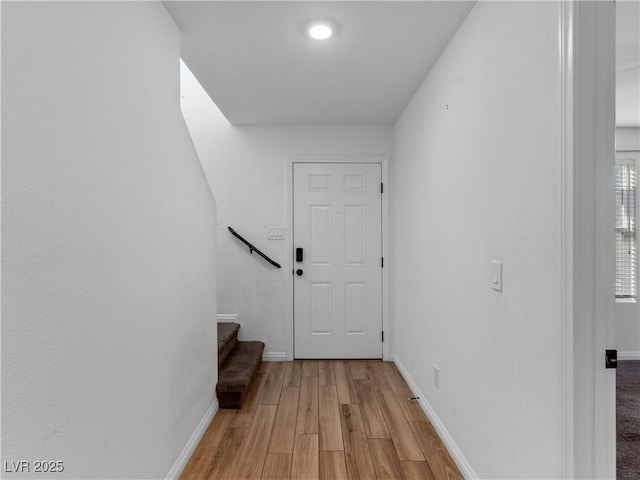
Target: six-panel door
338,284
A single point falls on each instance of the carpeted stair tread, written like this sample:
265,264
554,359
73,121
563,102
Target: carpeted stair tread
227,339
236,374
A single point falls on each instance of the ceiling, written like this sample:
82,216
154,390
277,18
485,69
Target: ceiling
628,64
259,67
256,63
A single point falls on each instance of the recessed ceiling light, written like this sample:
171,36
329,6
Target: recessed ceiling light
320,30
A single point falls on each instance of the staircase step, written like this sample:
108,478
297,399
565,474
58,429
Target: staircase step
235,375
227,339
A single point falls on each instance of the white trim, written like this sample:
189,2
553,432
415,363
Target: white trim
193,441
565,30
628,355
288,266
226,317
386,253
445,436
588,389
274,357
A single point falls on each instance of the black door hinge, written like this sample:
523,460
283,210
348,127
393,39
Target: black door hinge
611,359
382,335
381,262
381,187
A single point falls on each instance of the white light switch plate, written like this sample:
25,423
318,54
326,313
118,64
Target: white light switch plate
275,233
496,275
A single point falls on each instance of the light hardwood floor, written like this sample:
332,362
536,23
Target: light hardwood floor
331,420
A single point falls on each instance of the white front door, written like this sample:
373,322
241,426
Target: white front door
337,240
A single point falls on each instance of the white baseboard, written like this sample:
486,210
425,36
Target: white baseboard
628,355
192,443
274,356
447,439
226,317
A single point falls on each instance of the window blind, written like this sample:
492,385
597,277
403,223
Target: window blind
625,193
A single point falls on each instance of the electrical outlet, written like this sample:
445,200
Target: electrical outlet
436,376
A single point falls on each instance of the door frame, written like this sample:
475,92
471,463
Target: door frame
382,160
587,56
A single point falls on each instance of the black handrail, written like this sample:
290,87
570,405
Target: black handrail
253,249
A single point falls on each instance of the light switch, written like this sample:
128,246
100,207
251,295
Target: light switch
496,275
275,233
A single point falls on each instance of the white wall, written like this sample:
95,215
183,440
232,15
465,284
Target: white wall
476,177
627,313
247,168
628,139
108,251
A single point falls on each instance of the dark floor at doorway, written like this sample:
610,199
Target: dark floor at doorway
628,420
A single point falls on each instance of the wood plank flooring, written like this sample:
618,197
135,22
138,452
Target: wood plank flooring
323,420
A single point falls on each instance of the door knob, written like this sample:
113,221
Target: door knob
299,272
